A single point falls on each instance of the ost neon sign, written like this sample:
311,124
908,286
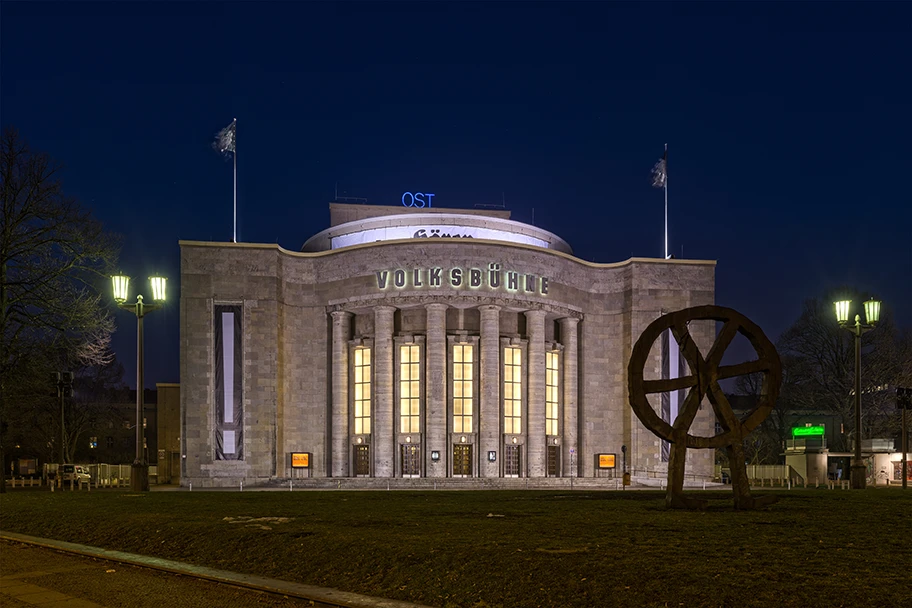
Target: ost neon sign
413,200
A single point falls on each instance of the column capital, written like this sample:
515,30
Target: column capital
436,306
382,308
534,313
489,308
568,320
340,315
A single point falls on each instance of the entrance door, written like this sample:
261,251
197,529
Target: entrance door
409,461
462,460
512,461
552,461
362,461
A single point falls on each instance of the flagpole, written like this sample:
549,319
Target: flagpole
666,201
234,237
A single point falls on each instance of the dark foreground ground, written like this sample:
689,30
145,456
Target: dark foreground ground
512,548
31,576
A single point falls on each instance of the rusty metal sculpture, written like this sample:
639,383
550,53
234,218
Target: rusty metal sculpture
704,381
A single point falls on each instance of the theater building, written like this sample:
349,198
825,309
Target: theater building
422,342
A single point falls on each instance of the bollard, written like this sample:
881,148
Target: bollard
289,486
52,486
191,486
435,485
790,483
704,484
242,485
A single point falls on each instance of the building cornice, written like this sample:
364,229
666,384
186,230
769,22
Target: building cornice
443,241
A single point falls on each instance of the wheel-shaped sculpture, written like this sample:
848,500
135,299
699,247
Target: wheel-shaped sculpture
704,382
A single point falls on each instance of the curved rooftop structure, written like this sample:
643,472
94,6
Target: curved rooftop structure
425,225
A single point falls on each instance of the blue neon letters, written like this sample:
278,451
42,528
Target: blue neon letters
416,199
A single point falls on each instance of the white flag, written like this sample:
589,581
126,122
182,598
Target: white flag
660,172
226,138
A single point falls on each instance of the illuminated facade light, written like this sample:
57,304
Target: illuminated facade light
158,287
872,311
121,284
842,310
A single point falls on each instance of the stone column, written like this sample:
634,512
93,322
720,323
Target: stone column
435,423
382,436
341,334
570,430
535,373
489,410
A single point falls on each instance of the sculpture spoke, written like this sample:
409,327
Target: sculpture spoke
743,369
666,386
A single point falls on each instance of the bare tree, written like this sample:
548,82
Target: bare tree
53,255
764,444
819,358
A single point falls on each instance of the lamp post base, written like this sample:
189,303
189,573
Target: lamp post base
139,477
859,476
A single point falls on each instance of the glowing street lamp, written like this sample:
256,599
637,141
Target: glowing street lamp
139,478
872,315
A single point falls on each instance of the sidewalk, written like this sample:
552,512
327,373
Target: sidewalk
320,595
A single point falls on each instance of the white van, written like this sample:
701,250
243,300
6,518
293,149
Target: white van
75,473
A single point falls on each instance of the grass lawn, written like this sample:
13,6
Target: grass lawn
512,548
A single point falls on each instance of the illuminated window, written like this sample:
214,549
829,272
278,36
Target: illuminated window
551,392
512,379
362,391
463,387
409,388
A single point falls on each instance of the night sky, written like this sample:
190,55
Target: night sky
788,128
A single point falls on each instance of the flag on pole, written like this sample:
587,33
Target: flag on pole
225,143
226,138
660,171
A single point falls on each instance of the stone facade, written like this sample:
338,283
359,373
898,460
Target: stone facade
306,314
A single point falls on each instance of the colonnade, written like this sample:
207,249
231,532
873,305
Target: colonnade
437,439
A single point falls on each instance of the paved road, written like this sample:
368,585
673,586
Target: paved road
31,576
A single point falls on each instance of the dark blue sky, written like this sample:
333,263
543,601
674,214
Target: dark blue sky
788,128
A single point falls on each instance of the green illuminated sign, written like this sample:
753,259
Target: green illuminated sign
808,431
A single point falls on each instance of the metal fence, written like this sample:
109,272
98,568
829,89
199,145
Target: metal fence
104,475
771,472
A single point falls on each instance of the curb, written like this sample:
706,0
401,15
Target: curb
322,596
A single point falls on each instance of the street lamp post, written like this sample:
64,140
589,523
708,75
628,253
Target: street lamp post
139,478
872,314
